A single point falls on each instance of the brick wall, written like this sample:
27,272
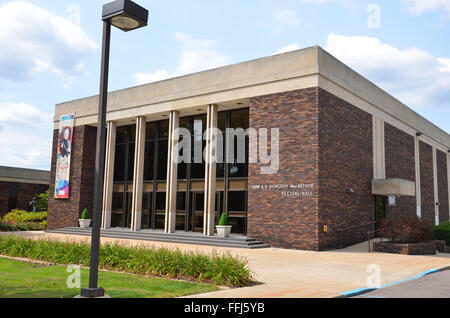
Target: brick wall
442,186
26,193
4,198
286,222
65,213
427,183
400,163
345,161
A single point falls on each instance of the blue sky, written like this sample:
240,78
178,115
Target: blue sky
50,52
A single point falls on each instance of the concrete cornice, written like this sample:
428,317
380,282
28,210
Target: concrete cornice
342,75
278,73
11,174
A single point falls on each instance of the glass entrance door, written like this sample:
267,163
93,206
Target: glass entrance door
380,210
198,211
121,214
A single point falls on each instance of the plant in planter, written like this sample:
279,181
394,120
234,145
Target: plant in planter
407,230
223,229
84,222
411,237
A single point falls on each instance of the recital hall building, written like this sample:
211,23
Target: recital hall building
344,145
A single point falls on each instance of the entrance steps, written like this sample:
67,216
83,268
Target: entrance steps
234,241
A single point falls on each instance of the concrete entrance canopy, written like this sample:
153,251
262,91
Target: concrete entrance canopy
399,187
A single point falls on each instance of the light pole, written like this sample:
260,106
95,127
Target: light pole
125,15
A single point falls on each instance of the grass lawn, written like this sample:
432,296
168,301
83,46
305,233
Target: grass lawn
25,280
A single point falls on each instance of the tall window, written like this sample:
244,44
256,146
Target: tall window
232,178
155,175
123,176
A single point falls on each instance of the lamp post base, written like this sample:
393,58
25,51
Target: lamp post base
92,292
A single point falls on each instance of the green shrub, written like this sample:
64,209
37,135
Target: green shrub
442,233
24,216
14,226
85,215
42,201
19,220
220,269
223,220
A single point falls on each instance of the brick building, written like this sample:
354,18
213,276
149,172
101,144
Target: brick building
344,145
18,187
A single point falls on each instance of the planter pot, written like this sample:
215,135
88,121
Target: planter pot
223,231
428,248
440,246
84,224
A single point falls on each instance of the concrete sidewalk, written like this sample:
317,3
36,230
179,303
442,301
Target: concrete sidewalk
298,274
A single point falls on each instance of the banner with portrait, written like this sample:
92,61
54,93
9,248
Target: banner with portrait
64,151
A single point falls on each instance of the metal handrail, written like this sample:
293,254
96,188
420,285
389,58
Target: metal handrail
355,227
369,238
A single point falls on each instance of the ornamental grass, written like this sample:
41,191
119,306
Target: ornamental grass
219,269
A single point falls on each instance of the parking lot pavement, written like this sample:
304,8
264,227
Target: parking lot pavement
435,285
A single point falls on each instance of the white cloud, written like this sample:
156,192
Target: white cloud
288,48
34,40
196,55
21,113
418,7
345,3
287,16
143,78
25,136
414,76
200,60
445,65
24,148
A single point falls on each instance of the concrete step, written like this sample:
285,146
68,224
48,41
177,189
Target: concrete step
148,234
181,238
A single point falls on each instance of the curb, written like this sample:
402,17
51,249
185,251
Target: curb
362,291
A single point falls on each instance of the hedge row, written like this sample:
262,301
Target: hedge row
219,269
442,233
24,216
13,226
19,220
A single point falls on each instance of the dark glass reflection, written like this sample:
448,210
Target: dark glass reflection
240,119
119,162
161,201
236,201
162,159
181,201
146,208
149,160
151,130
131,150
164,129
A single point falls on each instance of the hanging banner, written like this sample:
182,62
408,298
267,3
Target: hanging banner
63,157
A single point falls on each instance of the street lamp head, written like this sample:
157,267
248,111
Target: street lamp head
125,15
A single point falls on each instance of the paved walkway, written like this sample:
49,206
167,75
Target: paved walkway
295,274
